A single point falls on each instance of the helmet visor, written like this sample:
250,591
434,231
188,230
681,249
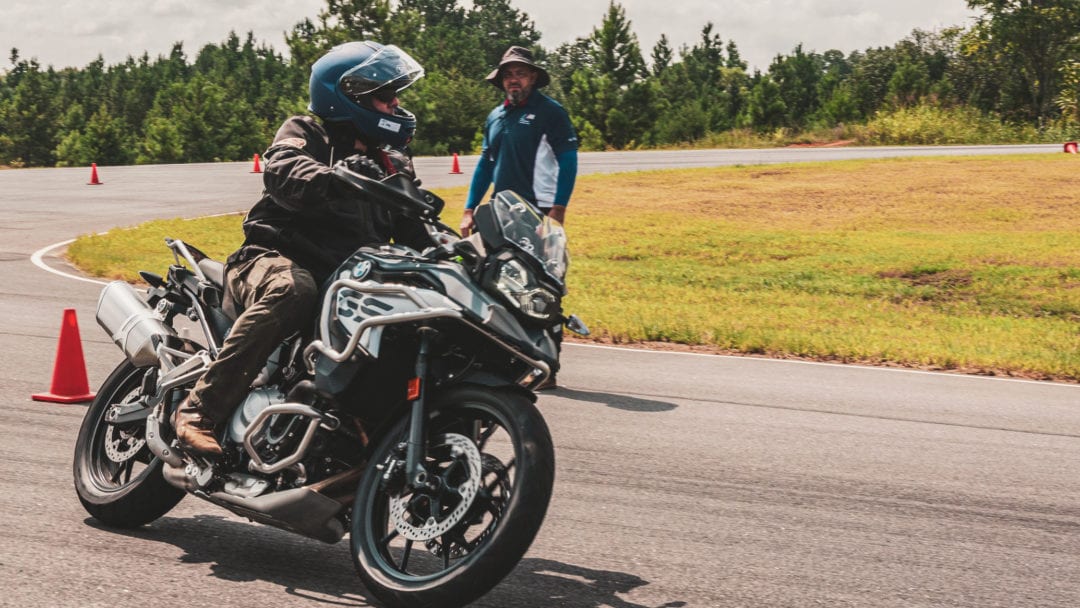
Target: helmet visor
390,69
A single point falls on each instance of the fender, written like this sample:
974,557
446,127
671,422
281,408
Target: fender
489,380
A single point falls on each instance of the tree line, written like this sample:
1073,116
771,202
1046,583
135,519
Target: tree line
1017,64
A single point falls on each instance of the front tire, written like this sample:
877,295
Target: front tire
468,534
118,479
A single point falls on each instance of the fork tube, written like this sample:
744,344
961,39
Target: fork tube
416,445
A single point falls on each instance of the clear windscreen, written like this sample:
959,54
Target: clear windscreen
532,232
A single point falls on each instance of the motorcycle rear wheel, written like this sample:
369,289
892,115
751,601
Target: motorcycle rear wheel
118,479
496,522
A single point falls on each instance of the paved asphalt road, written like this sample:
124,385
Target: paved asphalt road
683,480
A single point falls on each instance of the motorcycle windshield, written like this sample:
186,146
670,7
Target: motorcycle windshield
532,232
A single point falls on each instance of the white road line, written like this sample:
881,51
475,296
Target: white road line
901,370
37,257
40,263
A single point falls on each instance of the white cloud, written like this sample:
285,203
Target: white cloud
760,28
73,33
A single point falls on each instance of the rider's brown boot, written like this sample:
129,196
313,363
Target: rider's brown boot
194,430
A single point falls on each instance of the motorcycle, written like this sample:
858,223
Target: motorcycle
406,419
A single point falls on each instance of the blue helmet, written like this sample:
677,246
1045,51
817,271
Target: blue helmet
344,80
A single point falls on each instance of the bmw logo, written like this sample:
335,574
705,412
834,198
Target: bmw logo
361,270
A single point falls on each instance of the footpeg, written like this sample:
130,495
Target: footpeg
191,477
201,474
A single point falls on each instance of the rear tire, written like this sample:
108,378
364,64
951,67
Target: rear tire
120,485
483,544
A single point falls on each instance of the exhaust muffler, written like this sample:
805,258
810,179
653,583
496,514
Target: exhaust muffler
131,323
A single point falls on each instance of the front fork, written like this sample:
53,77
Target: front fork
416,447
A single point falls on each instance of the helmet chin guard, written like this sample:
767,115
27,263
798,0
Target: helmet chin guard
343,81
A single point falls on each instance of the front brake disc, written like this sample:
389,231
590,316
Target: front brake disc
433,527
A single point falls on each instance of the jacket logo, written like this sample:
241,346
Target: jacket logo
527,119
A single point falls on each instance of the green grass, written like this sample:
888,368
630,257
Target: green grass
960,264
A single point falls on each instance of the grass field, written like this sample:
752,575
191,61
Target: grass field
968,264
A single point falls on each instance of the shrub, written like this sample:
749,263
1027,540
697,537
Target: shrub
927,124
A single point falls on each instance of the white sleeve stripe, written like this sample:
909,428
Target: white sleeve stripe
545,174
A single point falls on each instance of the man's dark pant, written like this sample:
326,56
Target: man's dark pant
278,298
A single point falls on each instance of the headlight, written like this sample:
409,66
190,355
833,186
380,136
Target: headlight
517,285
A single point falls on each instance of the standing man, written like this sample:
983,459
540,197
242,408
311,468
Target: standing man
529,146
307,223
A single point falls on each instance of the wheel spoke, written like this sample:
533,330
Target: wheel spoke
385,541
494,507
481,441
446,545
501,476
119,473
460,539
405,557
145,456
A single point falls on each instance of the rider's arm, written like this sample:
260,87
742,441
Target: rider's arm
293,174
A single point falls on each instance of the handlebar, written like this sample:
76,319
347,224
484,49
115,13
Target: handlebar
400,193
397,191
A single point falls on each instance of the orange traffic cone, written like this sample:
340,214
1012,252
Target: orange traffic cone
1070,147
94,181
69,383
456,169
256,168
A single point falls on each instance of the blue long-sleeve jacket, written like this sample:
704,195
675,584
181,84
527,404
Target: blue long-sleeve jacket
530,148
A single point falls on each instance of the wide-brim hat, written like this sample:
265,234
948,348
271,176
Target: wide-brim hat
518,54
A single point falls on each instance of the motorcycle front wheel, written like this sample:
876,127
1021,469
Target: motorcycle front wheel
118,479
490,469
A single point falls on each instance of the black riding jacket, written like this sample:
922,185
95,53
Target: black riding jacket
310,216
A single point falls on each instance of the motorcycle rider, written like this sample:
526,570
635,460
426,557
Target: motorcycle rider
307,222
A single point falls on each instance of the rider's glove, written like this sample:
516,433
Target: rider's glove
358,163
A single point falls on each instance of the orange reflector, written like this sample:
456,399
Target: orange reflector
414,389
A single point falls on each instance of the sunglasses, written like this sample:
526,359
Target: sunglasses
385,95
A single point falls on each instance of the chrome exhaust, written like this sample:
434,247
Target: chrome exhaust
131,323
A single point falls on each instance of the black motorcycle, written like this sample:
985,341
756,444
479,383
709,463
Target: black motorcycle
407,418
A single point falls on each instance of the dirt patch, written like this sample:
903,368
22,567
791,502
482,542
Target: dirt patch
952,278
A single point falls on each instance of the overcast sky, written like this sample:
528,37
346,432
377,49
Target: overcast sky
73,32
